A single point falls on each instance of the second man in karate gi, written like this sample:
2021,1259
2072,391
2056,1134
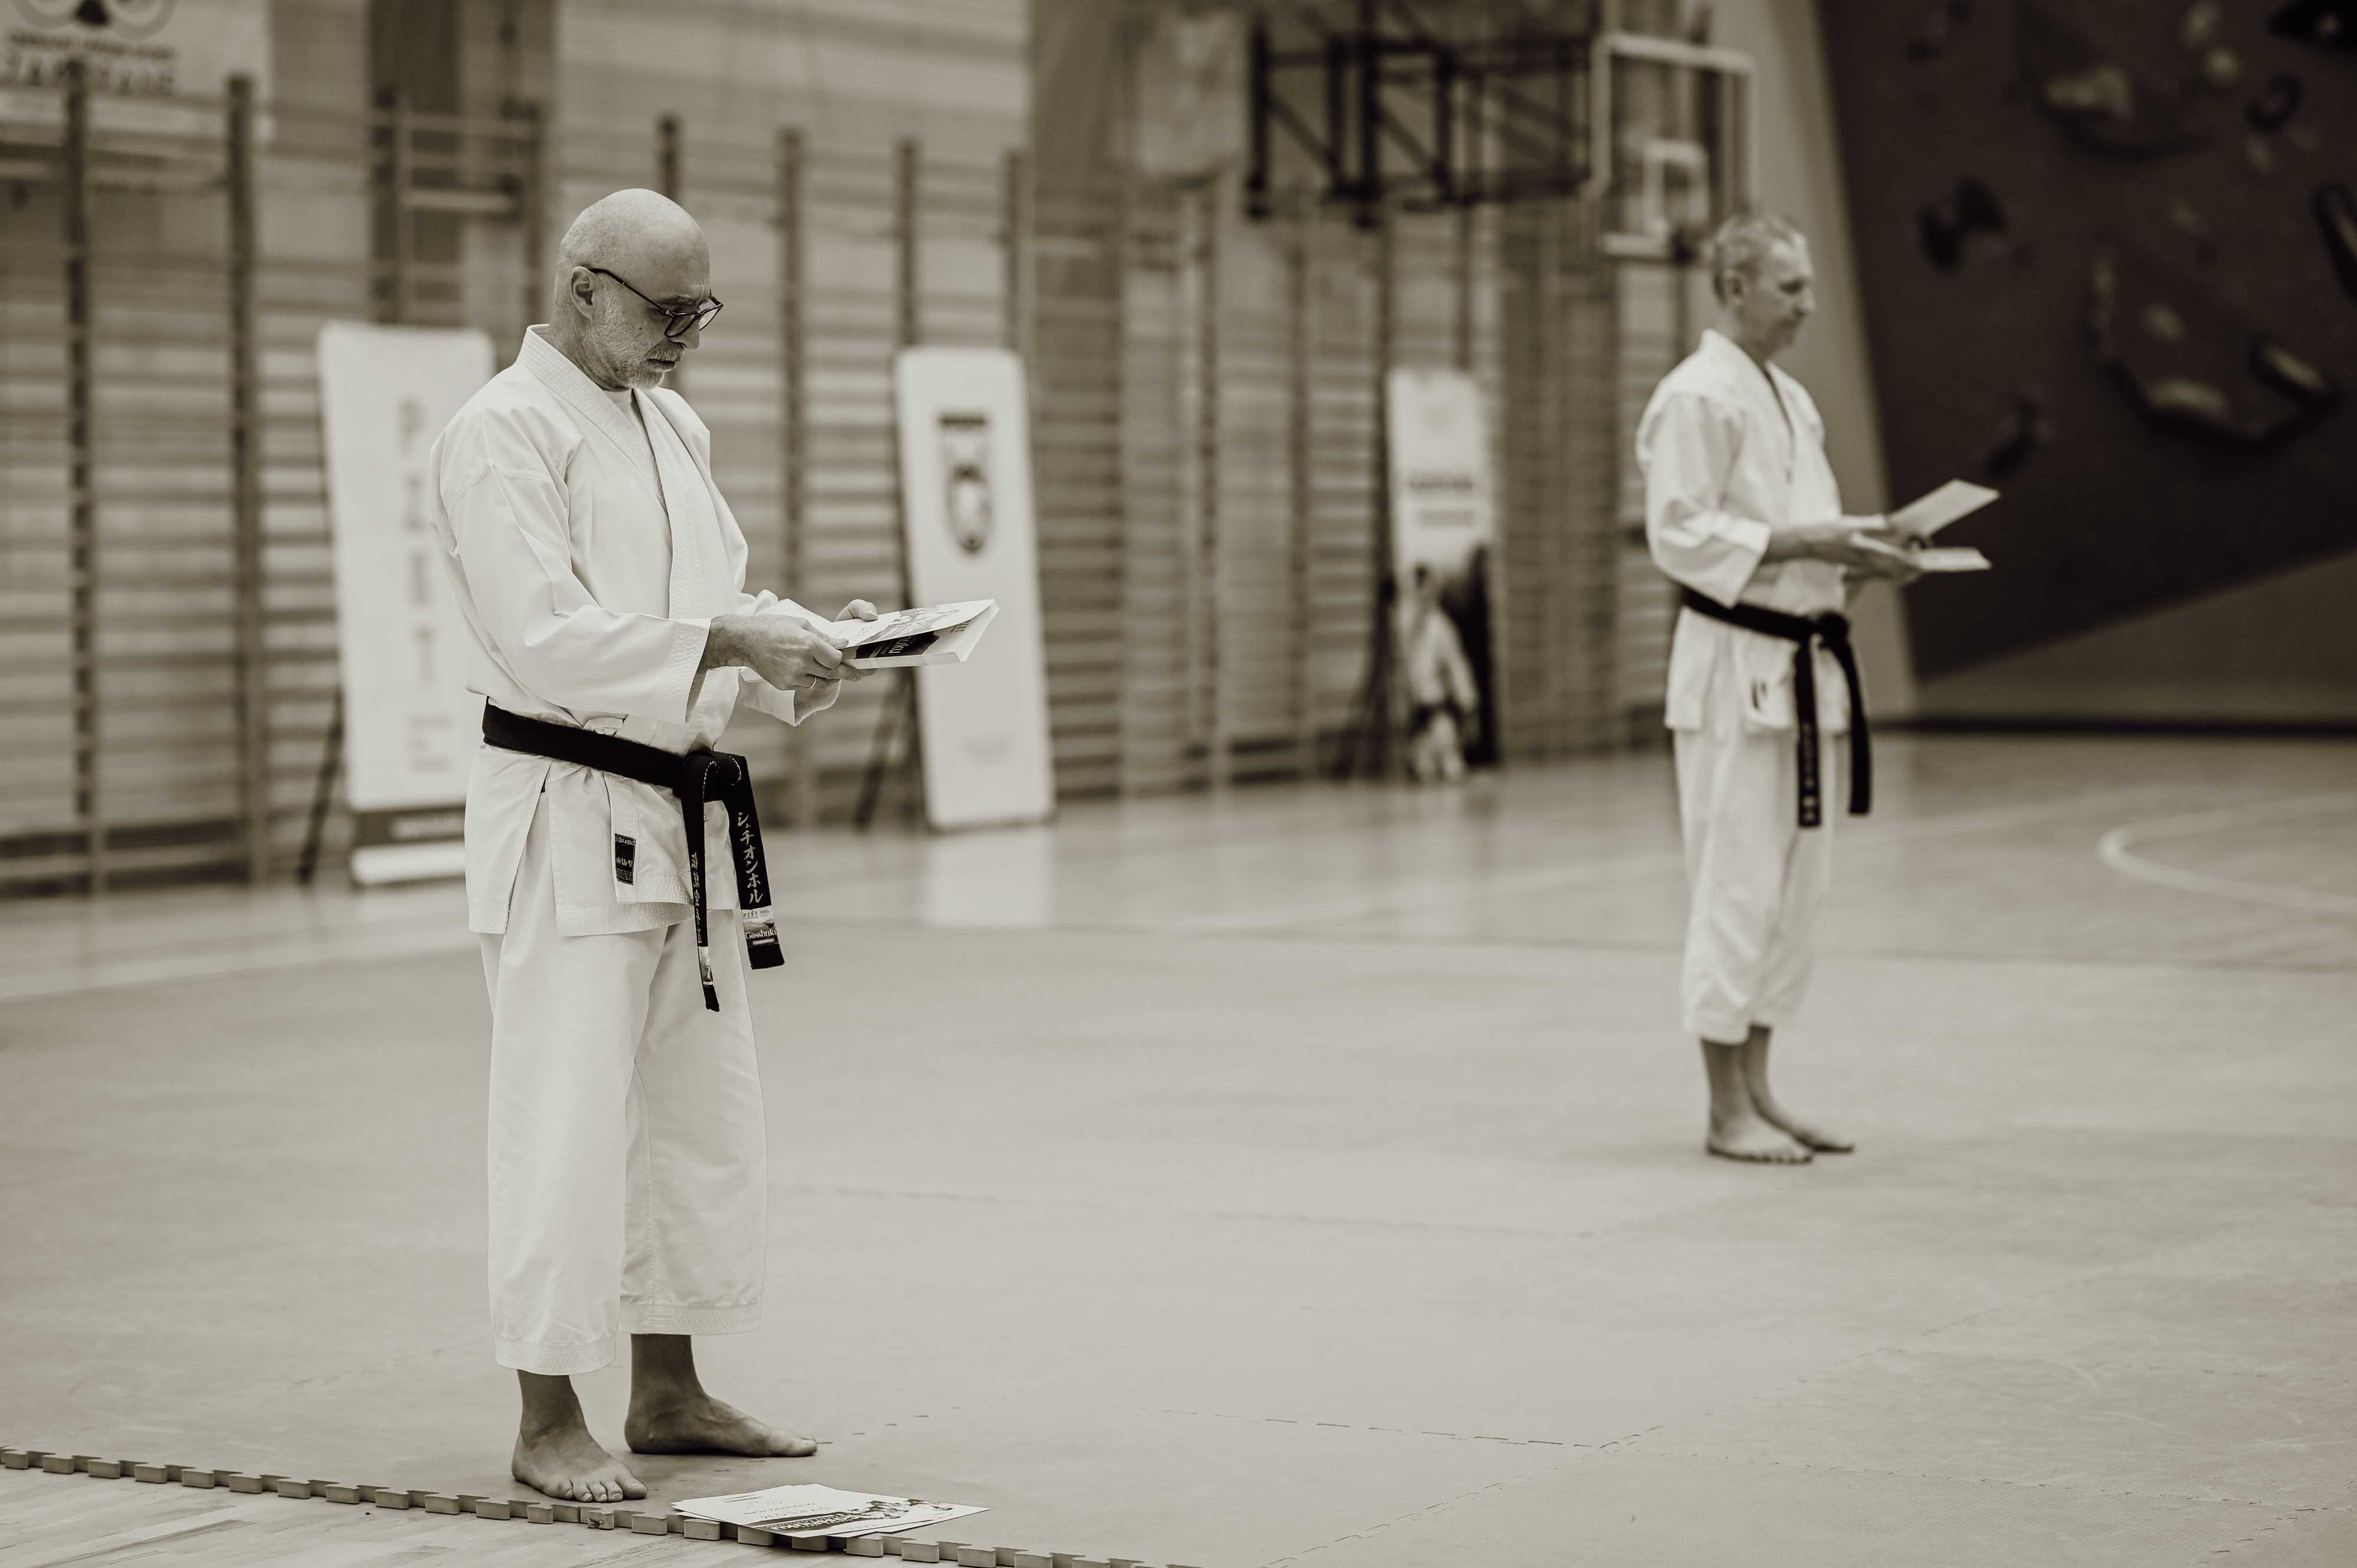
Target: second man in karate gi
1741,509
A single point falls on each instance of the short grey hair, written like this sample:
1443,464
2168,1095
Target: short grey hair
1743,241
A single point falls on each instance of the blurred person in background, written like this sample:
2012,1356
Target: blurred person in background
1444,702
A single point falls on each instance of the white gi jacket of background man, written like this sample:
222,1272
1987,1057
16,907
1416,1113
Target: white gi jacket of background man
628,1156
1724,468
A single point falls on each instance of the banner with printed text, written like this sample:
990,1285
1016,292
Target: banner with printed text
410,724
138,56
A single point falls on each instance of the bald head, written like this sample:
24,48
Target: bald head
627,259
633,229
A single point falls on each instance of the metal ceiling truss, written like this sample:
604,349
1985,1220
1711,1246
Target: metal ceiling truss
1424,105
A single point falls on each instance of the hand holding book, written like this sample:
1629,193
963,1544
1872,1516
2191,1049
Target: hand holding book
933,634
1922,518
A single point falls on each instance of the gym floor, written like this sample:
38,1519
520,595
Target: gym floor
1302,1176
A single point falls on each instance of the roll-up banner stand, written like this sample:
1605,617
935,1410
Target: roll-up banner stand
410,724
1444,534
965,487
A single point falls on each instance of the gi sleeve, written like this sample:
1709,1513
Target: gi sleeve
769,699
507,529
1686,447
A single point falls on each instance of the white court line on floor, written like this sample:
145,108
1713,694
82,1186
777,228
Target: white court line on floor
74,976
409,939
2116,850
1862,837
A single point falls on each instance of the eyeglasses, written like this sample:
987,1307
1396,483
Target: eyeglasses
676,323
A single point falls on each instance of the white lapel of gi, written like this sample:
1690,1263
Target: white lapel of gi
591,404
1758,389
695,526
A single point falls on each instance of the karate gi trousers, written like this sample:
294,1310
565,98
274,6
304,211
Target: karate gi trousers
628,1162
1755,879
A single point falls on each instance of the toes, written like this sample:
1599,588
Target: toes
632,1490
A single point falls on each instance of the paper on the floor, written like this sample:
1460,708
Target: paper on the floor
1959,558
1929,514
810,1510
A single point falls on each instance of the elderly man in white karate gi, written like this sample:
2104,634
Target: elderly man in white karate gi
603,579
1742,510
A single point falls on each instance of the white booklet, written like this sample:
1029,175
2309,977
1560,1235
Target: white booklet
936,634
1960,558
808,1510
1926,515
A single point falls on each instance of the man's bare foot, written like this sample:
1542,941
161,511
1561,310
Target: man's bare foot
1749,1138
1808,1137
698,1423
566,1462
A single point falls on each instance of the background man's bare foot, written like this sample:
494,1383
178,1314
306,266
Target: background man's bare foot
568,1464
1807,1136
1752,1139
698,1423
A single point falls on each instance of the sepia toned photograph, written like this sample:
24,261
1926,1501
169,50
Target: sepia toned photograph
1178,783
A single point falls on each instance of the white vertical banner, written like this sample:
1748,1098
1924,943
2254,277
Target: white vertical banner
965,491
410,724
1444,541
1442,506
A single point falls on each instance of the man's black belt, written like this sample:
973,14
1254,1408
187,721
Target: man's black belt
1831,628
696,777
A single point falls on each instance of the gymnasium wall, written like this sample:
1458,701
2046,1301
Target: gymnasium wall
1569,344
857,72
853,79
2094,240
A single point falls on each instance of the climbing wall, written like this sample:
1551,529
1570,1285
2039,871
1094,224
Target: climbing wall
2109,256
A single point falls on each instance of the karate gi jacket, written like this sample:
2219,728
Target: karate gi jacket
589,579
1725,471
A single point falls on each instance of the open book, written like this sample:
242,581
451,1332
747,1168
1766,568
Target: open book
1926,516
807,1515
936,634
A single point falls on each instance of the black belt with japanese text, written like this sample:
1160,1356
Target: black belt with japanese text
1831,628
696,777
